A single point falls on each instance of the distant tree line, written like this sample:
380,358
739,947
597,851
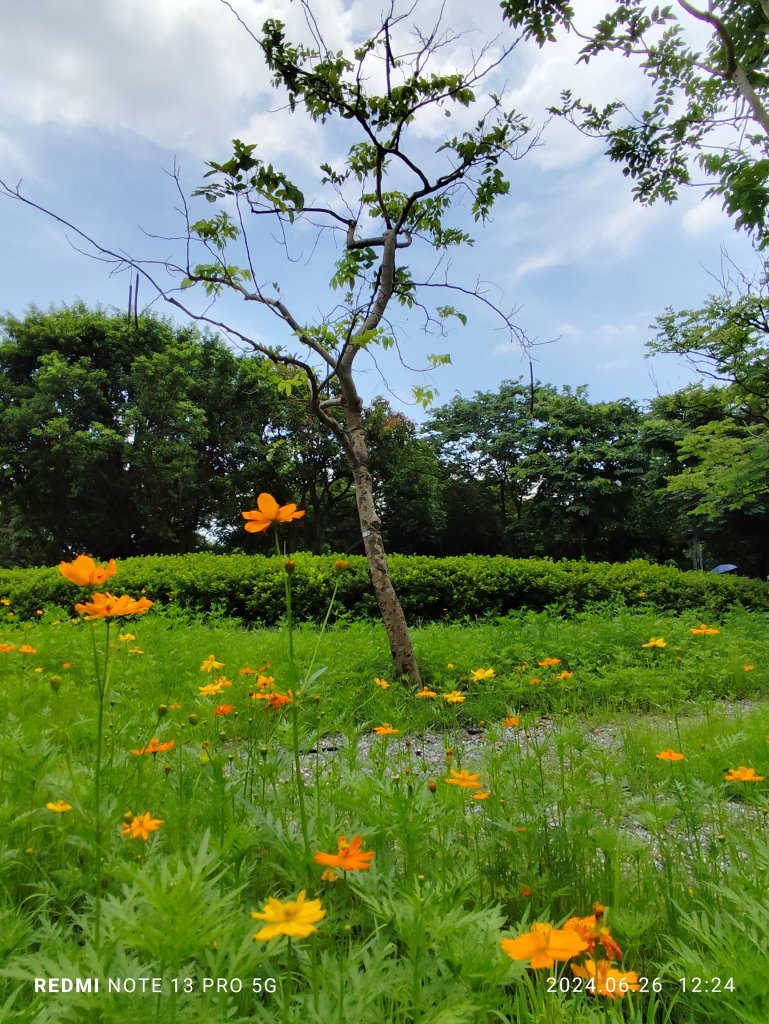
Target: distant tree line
123,439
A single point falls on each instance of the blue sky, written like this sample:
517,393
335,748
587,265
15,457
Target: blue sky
98,100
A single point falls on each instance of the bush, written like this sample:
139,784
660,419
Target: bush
251,587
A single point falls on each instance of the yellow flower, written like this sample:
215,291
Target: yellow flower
381,683
482,673
385,730
59,807
543,945
85,572
105,606
126,637
669,755
210,664
5,601
268,512
607,980
450,664
295,919
703,630
135,650
210,690
656,641
140,826
455,697
424,692
743,774
464,779
329,875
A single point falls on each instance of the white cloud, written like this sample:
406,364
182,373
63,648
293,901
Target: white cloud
706,217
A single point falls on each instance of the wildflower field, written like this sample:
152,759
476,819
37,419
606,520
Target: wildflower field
569,822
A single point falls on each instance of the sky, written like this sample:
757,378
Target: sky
99,102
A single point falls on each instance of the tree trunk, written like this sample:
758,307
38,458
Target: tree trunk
401,648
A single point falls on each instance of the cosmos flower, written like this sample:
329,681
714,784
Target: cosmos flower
296,919
84,572
349,856
543,945
268,512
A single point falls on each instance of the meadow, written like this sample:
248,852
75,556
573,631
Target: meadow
568,823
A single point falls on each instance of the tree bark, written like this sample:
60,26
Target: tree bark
401,648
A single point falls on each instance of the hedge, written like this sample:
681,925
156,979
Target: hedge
251,587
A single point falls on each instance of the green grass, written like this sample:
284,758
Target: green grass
579,810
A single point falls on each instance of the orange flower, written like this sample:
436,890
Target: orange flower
385,730
154,747
26,649
349,857
589,930
525,890
511,721
549,662
464,779
269,512
563,675
279,700
669,755
743,774
105,606
247,671
223,709
482,796
543,945
747,668
140,826
424,692
607,980
703,630
86,573
5,648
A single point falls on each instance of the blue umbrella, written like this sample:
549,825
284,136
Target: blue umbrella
727,567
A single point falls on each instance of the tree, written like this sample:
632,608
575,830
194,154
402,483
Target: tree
388,194
711,105
121,439
485,438
700,459
726,458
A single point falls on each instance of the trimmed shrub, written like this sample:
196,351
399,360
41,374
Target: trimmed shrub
251,587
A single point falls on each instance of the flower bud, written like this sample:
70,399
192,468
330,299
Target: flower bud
432,785
162,710
341,565
289,565
192,719
55,682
